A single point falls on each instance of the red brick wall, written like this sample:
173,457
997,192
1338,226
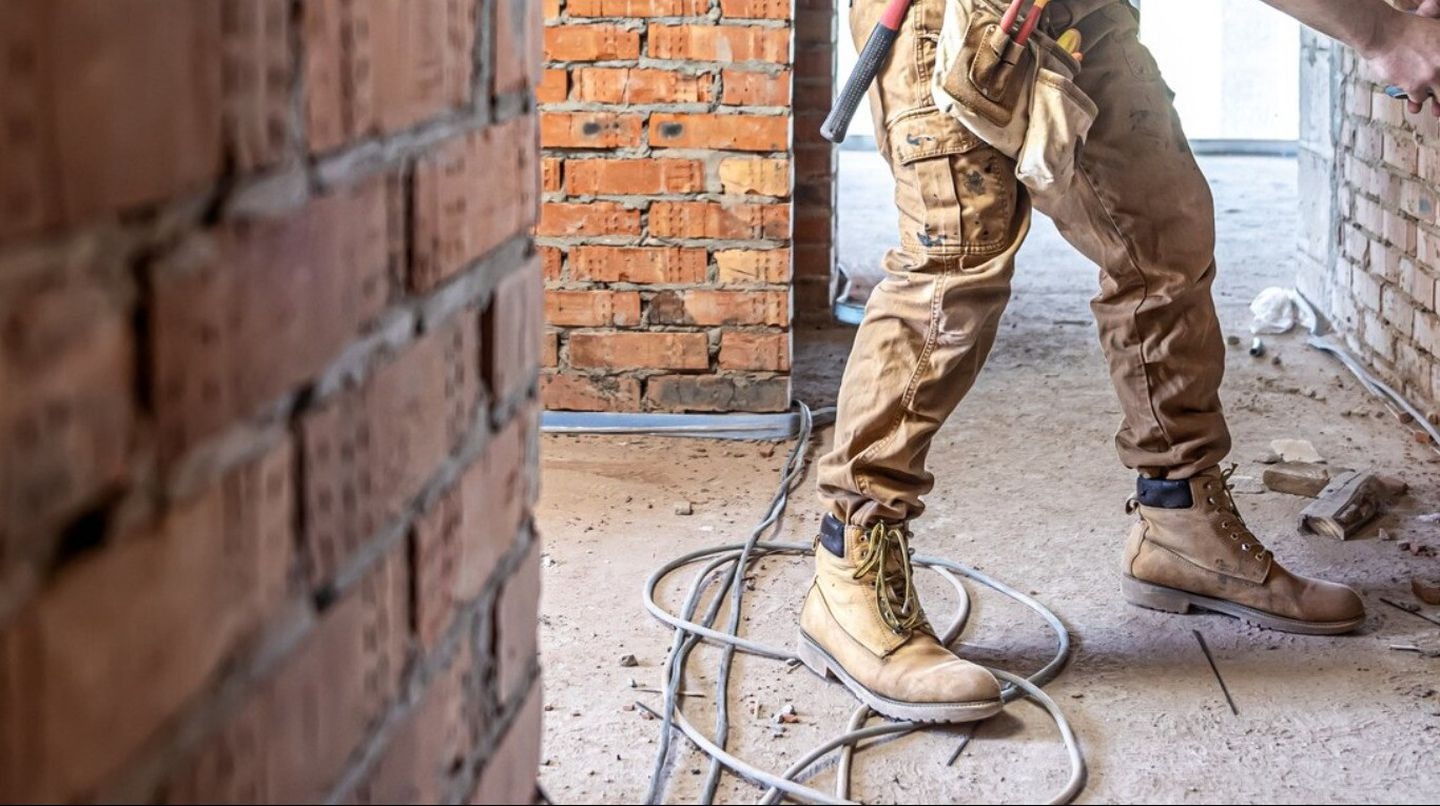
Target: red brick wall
270,318
670,219
1382,276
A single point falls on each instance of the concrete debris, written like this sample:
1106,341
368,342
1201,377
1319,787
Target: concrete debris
1391,487
628,661
1246,485
1416,549
1433,517
1233,341
1384,535
1425,591
684,508
1347,503
1268,458
1297,478
1296,450
786,716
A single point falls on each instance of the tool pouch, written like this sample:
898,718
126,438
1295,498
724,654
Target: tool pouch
1021,99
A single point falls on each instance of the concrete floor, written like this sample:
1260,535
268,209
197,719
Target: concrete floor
1321,719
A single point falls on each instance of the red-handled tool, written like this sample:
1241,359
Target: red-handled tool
872,58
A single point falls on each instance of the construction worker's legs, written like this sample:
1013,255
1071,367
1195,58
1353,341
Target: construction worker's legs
1142,211
930,325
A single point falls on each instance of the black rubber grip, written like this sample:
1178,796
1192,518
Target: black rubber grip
872,58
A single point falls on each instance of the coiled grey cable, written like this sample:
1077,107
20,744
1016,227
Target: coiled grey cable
725,566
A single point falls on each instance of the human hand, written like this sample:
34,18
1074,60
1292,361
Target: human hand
1407,54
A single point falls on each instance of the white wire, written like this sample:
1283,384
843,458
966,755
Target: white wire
735,559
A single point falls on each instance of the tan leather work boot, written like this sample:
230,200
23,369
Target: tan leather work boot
863,624
1191,548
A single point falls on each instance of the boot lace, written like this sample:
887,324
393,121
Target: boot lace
886,552
1233,524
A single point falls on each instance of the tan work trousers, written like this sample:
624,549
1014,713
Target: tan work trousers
1139,208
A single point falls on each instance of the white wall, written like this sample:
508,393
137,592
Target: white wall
1234,65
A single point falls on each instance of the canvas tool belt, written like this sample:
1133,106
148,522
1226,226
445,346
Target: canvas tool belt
1021,99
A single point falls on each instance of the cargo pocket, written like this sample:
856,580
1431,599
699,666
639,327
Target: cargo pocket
1061,115
956,195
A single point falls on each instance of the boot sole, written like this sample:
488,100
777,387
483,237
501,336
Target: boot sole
1172,600
821,663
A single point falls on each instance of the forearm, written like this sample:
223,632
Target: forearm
1361,24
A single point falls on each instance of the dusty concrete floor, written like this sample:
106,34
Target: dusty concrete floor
1321,719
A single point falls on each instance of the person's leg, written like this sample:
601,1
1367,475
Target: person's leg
1141,209
927,330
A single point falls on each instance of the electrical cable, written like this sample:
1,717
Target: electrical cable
723,577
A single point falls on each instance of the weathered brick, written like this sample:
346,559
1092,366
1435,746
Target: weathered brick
633,177
453,224
717,220
633,85
263,305
639,351
710,308
730,132
741,350
590,43
748,88
516,628
757,9
552,262
717,393
342,679
592,308
554,86
513,325
130,633
376,66
519,46
108,105
751,266
765,177
638,264
589,393
460,540
637,8
552,171
590,129
425,755
67,368
509,775
717,43
589,219
369,450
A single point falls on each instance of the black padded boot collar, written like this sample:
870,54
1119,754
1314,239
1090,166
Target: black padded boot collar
832,535
1164,493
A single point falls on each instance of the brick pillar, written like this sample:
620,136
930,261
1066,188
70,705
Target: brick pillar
815,158
1382,288
270,319
666,227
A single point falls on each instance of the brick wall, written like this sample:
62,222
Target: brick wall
270,318
666,229
1371,179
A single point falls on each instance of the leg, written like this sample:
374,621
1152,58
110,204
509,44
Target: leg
926,332
1142,210
930,325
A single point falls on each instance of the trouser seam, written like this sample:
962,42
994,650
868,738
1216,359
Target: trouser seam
1144,296
932,336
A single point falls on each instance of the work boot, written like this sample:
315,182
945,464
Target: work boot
863,624
1191,549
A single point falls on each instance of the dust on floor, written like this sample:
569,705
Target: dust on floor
1030,492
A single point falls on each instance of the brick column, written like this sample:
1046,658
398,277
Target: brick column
270,320
1385,198
815,158
666,227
